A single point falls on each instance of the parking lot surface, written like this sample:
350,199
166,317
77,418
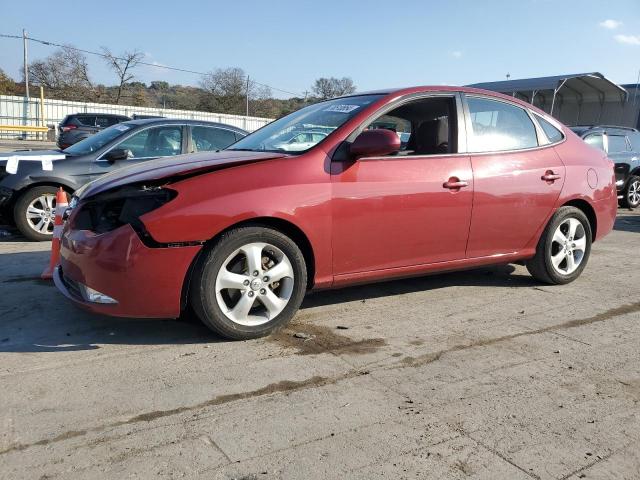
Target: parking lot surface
481,374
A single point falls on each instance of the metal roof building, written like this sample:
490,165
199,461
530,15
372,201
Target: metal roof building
575,99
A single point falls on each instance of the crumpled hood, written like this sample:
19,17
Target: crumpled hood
181,165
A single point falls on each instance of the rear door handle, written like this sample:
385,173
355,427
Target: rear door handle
549,176
455,184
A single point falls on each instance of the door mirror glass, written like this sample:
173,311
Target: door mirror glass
118,154
375,143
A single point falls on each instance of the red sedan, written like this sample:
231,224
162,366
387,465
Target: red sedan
351,190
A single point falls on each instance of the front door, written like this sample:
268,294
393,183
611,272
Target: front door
144,145
406,209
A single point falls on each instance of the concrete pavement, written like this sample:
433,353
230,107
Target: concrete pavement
482,374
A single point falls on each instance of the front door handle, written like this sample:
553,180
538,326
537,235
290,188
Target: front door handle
549,176
454,183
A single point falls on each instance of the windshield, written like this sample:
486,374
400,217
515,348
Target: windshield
302,130
97,141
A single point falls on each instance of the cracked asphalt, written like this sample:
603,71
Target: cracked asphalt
481,374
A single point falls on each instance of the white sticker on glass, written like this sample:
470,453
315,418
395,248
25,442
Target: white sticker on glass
342,108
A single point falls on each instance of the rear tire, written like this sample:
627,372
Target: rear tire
563,249
34,206
631,194
249,283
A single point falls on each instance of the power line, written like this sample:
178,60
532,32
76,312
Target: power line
156,65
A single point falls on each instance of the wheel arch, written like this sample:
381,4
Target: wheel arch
284,226
589,212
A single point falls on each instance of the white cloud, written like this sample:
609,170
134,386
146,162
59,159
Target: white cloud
610,24
456,54
628,39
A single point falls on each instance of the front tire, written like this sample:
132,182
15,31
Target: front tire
631,195
249,283
34,213
563,249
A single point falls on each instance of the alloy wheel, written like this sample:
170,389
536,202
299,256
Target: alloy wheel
254,284
41,213
633,194
568,246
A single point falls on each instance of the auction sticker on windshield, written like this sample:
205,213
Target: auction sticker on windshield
122,128
342,108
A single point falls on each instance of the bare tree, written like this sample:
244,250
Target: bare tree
66,71
227,89
325,88
122,66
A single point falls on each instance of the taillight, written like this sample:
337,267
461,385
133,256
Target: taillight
66,128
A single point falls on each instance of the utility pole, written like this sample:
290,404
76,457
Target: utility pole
247,95
27,109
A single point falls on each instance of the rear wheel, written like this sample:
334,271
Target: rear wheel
35,211
631,194
564,247
248,283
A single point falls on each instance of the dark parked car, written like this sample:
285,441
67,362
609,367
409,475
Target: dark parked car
79,126
622,145
238,236
28,196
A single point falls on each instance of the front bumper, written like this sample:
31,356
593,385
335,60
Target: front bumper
145,282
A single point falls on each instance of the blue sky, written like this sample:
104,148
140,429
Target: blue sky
287,44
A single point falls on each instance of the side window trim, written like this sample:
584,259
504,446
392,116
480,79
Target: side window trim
468,128
100,158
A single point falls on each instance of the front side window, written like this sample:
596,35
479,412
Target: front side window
154,142
498,126
425,126
595,140
95,142
205,139
314,123
553,134
617,143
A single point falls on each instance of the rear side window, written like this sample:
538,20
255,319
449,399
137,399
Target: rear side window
595,140
617,144
211,138
634,138
553,134
86,121
498,126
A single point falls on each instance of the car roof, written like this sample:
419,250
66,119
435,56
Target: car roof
165,121
446,89
102,114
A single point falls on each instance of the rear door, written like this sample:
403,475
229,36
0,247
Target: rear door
517,176
619,151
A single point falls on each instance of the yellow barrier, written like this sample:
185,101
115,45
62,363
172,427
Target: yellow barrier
23,128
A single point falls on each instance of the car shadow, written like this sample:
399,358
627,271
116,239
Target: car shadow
35,317
626,221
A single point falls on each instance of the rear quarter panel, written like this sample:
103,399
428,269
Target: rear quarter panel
589,177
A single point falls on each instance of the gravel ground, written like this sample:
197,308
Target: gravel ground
481,374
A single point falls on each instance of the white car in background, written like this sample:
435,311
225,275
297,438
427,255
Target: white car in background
301,141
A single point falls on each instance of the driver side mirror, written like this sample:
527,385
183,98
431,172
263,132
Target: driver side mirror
118,154
375,143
